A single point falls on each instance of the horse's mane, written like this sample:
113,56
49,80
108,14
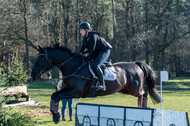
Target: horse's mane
57,46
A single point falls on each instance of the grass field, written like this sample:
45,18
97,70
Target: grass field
176,97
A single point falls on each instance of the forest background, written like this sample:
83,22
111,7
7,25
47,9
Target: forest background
154,31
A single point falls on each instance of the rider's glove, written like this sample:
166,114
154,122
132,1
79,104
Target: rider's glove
78,54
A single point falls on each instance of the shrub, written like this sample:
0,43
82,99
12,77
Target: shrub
3,79
7,118
16,74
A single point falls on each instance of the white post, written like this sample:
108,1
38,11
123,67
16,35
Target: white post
163,77
161,111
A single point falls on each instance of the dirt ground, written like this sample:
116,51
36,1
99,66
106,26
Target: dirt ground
36,113
39,113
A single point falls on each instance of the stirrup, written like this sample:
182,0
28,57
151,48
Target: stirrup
101,87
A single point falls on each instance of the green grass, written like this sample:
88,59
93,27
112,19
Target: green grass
179,79
176,97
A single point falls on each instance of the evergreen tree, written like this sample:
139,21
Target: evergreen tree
3,79
16,74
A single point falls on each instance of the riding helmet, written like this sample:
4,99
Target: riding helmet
84,25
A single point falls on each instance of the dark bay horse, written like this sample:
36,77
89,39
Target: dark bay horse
131,77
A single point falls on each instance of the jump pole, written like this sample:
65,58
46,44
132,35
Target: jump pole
163,77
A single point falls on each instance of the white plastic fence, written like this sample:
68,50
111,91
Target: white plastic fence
108,115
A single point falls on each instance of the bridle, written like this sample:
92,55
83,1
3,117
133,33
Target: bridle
42,70
74,73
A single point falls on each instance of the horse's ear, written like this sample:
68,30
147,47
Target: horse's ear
55,45
40,49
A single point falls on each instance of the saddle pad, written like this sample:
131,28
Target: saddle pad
109,73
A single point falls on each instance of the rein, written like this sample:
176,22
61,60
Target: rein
74,73
64,62
61,65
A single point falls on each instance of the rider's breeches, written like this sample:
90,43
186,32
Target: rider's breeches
99,60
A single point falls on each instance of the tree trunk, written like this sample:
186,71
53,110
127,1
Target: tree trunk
26,38
127,19
77,23
133,34
156,56
114,42
127,53
66,21
147,52
147,24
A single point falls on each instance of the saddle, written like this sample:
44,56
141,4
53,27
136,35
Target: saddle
109,74
108,71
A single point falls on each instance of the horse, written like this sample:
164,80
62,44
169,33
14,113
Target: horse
131,77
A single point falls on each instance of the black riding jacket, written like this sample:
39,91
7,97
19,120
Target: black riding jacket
94,43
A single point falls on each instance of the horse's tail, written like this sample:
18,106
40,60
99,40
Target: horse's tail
150,78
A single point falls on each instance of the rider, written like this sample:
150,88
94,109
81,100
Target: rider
96,46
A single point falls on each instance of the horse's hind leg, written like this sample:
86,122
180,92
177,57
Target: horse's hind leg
139,101
144,102
145,99
142,99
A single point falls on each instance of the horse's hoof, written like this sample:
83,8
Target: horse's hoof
56,122
56,118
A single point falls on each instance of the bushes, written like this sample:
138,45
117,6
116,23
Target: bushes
3,79
16,74
8,118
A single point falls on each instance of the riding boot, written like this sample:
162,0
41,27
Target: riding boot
54,106
102,85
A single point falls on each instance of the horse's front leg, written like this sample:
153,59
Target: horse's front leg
57,96
73,93
54,105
